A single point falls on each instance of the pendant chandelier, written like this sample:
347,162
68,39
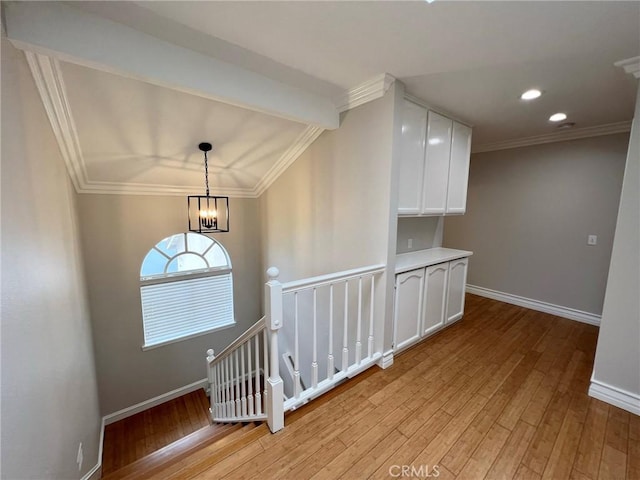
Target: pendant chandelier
208,214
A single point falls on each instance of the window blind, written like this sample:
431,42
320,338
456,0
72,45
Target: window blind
178,309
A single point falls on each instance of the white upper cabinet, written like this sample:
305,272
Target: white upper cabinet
414,128
459,168
434,163
436,170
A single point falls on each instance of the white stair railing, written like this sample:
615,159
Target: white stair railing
313,321
236,378
329,329
244,378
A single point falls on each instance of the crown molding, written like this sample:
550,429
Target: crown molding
50,84
422,103
113,188
370,90
561,136
630,65
306,138
51,87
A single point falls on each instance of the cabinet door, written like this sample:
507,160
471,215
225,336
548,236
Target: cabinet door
457,284
414,130
435,298
459,168
408,308
436,174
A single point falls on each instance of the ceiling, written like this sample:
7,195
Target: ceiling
137,133
470,59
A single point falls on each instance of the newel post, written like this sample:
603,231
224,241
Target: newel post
273,322
211,379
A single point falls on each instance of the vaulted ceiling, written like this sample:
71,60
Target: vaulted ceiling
133,87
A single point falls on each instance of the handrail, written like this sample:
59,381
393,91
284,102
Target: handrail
250,332
321,280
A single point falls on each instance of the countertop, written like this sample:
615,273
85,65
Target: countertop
424,258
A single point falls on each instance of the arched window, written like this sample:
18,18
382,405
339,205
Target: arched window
186,289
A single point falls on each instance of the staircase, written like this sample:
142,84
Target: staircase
319,332
203,448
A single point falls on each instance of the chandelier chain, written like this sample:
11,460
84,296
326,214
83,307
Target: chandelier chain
206,174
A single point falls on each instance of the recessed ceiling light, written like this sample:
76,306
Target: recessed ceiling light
531,94
558,117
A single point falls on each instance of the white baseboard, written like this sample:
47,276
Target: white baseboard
615,396
152,402
96,472
565,312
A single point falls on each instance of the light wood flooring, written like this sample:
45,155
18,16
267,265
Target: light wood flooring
135,437
502,394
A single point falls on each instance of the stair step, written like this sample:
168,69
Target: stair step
157,461
207,457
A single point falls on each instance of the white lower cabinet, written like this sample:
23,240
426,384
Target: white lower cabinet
408,308
435,294
427,299
457,282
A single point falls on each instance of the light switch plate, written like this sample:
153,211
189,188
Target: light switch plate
592,240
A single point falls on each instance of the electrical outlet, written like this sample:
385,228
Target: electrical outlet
410,243
592,240
80,457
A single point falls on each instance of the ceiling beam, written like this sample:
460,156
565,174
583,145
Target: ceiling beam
75,36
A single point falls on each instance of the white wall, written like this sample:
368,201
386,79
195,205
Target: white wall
49,392
529,211
617,363
117,231
423,232
331,210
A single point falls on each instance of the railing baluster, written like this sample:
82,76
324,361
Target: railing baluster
359,326
345,347
258,398
243,379
249,381
237,407
265,349
216,390
223,386
330,366
219,372
314,363
297,384
372,299
227,378
232,399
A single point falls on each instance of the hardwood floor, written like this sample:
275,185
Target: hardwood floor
500,395
135,437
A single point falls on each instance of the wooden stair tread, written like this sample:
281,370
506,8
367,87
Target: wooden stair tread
176,451
204,459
